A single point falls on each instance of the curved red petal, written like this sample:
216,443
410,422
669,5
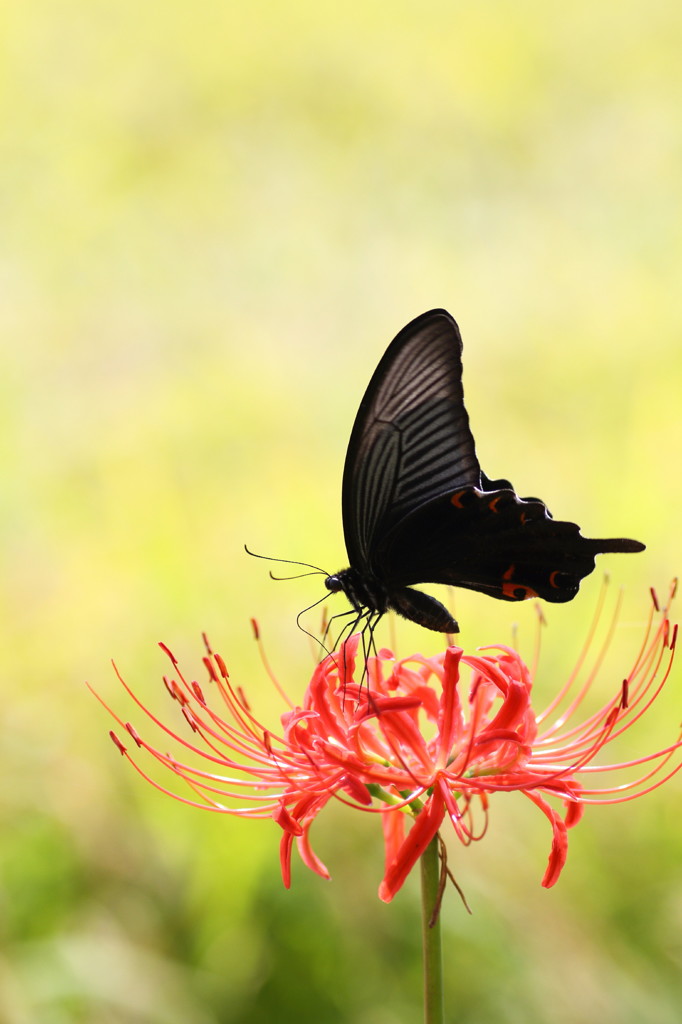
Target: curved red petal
285,858
559,850
418,838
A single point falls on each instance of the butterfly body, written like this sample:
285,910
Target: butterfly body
417,507
367,593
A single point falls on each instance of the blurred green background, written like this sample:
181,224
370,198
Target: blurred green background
214,218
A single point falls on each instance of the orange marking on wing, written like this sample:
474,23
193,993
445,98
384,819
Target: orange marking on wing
492,505
512,590
455,499
552,579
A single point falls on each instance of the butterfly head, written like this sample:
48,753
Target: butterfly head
334,583
364,592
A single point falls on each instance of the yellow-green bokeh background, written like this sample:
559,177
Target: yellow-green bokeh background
214,217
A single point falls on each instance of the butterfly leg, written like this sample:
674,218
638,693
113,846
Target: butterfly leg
339,615
369,648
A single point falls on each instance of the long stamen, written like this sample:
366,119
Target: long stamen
400,739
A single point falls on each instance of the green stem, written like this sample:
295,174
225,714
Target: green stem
433,958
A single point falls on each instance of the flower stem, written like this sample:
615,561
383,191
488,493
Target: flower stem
433,958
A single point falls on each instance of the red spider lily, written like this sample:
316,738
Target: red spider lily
411,743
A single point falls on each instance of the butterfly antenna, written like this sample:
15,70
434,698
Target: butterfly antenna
288,561
298,576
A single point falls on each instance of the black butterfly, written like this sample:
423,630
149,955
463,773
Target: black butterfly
417,507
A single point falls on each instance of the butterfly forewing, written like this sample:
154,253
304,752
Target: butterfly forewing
411,440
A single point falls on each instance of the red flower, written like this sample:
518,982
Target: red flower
416,740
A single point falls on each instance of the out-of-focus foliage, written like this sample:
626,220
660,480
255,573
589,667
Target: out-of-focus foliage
214,218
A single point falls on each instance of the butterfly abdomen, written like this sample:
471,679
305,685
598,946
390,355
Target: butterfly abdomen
423,609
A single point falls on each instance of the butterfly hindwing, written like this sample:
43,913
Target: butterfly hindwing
411,440
495,542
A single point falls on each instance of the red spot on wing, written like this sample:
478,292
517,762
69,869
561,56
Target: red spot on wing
552,579
518,591
515,591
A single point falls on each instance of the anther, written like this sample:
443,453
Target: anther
625,693
170,687
210,669
117,742
190,719
168,652
133,732
673,638
175,691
